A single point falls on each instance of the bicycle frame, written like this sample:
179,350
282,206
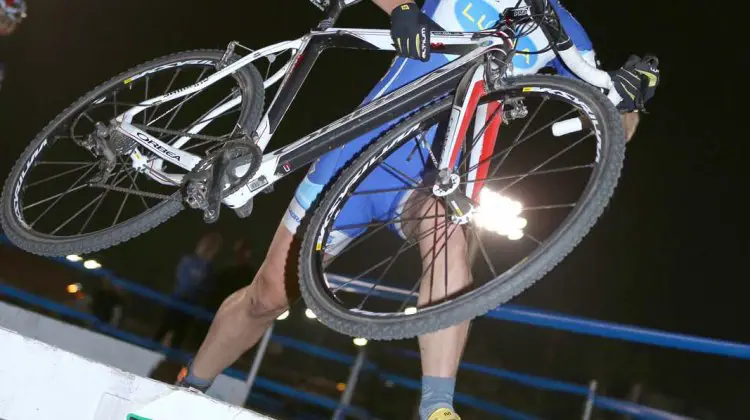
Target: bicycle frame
471,47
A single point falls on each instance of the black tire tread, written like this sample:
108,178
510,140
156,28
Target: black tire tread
134,226
416,325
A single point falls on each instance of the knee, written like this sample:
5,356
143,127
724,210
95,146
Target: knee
266,297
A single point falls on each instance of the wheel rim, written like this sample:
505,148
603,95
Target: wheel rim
75,221
550,242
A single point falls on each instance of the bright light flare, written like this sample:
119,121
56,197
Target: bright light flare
359,341
310,314
410,310
74,258
92,264
500,214
73,288
283,316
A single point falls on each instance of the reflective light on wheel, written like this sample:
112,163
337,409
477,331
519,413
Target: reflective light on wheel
360,341
410,310
92,264
500,214
309,313
73,258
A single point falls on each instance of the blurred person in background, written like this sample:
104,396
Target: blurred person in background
193,282
231,276
108,302
12,12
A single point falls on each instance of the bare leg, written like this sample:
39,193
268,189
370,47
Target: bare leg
246,314
441,351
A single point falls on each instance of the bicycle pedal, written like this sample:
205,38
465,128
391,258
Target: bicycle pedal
211,214
245,210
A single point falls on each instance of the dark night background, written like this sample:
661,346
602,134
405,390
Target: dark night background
670,252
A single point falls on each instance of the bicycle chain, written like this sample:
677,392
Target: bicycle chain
136,192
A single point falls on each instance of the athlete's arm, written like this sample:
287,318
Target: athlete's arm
630,121
409,28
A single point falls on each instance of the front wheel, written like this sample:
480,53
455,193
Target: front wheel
386,198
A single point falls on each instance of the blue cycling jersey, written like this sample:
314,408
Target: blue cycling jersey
452,15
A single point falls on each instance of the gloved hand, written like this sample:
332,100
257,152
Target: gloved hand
410,32
636,82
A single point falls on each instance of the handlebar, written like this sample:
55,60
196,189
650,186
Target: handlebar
570,55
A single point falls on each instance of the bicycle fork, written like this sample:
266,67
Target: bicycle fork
487,120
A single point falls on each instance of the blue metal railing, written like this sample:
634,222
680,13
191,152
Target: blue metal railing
268,385
539,318
506,312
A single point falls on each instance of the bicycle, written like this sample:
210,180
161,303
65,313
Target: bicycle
237,168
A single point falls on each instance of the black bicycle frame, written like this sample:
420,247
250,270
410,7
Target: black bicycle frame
366,118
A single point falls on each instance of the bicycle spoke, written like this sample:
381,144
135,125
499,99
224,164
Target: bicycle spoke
518,137
119,211
202,119
527,235
65,223
421,279
434,256
88,118
445,253
523,140
145,98
555,156
390,169
133,183
61,174
69,190
550,207
115,183
169,86
43,162
378,223
544,172
29,206
382,262
376,230
385,190
179,106
483,250
380,278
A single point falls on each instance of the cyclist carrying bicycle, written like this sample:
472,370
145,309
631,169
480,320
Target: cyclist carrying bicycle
246,314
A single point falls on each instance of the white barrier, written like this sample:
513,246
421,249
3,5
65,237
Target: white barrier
42,382
102,349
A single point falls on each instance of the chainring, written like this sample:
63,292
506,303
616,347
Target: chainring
234,153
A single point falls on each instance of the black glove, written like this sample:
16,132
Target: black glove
410,32
636,82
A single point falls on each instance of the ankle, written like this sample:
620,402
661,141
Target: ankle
188,379
437,392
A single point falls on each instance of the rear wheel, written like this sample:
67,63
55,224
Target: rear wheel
66,196
333,288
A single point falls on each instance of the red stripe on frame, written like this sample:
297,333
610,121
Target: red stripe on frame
488,144
476,92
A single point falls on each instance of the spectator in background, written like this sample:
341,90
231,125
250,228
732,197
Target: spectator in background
192,284
232,276
107,303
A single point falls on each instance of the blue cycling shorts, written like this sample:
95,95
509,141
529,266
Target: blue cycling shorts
453,15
